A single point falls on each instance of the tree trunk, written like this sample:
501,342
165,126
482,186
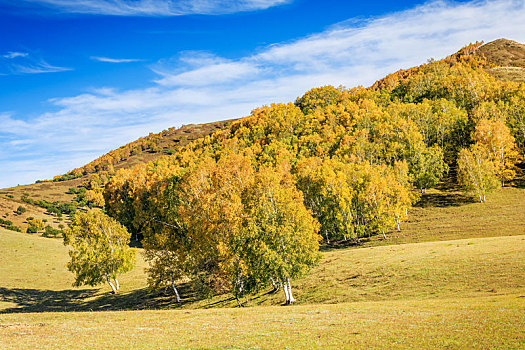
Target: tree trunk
238,302
117,285
291,298
175,290
397,225
286,295
112,285
276,285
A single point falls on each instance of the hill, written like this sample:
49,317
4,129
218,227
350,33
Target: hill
62,189
507,59
362,159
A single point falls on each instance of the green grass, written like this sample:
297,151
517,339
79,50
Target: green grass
446,213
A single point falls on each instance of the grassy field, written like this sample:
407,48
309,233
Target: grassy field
468,323
453,278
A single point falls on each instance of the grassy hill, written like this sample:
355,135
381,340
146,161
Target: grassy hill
507,58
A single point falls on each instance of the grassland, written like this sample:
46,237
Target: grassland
453,278
481,323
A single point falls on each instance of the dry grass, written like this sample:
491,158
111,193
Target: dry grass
447,214
508,73
504,53
35,278
466,323
10,200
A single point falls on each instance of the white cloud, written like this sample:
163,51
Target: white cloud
115,60
202,69
196,87
12,54
158,7
25,63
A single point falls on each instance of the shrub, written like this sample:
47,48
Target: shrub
50,231
32,229
20,210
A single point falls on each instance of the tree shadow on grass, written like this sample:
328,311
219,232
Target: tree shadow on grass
37,300
519,180
443,200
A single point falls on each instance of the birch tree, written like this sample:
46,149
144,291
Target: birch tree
494,137
100,250
284,235
476,171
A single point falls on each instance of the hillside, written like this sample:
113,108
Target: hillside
137,152
505,59
383,208
445,233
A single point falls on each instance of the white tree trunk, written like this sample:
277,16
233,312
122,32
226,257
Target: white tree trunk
117,285
276,285
291,299
175,290
112,286
286,295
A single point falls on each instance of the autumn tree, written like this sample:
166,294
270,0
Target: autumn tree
318,98
476,171
281,236
494,137
100,250
428,168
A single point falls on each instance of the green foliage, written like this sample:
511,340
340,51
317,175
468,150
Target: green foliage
476,171
50,231
100,250
32,229
429,168
56,208
5,222
20,210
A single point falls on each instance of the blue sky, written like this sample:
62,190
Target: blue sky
81,77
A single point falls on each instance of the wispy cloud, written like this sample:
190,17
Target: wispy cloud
11,54
115,60
196,87
14,63
157,7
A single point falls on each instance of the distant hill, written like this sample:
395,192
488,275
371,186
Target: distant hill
507,58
